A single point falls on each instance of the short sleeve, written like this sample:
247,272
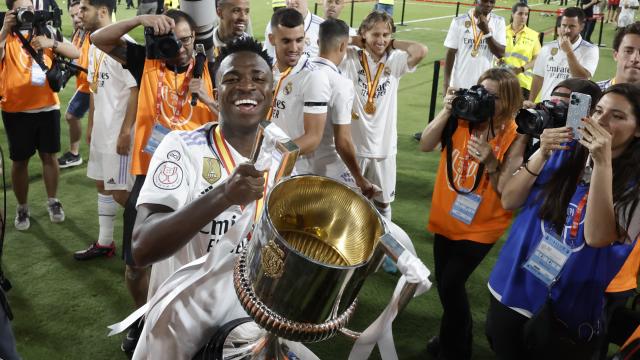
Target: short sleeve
500,32
270,49
451,41
91,66
342,104
590,61
399,63
541,60
536,47
167,181
317,93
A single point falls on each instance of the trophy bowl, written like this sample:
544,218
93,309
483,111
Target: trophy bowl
308,257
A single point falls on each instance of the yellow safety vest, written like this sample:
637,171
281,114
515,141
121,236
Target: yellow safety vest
386,2
278,3
520,49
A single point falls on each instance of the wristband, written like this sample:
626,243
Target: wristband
529,171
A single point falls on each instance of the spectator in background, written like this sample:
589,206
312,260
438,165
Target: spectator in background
333,9
79,103
626,53
590,21
523,46
311,29
234,16
569,56
612,11
385,6
473,40
148,7
627,12
465,227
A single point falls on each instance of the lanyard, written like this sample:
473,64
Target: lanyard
371,85
275,93
229,164
182,93
575,223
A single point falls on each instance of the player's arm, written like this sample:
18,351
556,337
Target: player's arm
448,68
415,50
495,47
313,130
124,137
576,69
344,146
109,38
536,85
90,119
160,231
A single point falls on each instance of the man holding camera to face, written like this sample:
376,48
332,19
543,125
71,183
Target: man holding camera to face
30,108
164,71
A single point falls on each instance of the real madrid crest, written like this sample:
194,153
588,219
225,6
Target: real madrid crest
288,88
210,170
387,71
307,41
554,51
467,24
272,260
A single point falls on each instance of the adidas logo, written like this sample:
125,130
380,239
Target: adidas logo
111,182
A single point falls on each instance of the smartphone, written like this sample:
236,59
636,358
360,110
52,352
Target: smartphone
579,107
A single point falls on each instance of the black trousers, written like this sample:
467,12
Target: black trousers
455,260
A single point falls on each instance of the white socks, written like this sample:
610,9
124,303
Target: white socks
107,209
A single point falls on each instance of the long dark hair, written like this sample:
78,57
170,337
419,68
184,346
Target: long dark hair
557,192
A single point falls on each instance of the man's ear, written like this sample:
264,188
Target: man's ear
219,12
272,40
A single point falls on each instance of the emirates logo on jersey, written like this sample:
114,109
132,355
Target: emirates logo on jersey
175,110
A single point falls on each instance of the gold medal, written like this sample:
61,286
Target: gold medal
93,87
370,108
474,52
477,36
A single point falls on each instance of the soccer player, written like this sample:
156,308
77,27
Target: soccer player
626,53
628,12
311,28
111,86
332,10
234,15
375,65
31,111
163,105
301,92
79,103
473,40
569,56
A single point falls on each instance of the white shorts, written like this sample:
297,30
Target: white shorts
112,169
381,172
334,167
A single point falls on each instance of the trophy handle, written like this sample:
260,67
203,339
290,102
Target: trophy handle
287,151
393,249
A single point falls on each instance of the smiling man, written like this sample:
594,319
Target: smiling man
626,53
234,17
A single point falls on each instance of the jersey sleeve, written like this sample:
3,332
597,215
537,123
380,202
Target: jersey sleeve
270,49
590,61
399,63
91,66
317,93
541,61
167,181
451,41
343,103
500,32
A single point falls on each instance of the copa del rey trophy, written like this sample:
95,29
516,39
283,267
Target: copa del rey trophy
298,279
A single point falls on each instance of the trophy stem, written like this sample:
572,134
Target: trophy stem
274,349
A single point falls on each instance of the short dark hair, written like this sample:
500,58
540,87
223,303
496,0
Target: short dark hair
332,31
574,12
633,29
518,5
243,43
109,4
179,16
72,3
286,17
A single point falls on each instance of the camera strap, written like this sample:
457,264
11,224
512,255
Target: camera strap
447,143
36,56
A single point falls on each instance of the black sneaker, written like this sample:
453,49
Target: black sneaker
131,339
69,160
95,251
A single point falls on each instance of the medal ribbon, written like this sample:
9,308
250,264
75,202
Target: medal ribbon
96,68
575,224
477,36
182,94
275,93
371,86
229,165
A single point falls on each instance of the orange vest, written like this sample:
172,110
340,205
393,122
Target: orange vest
627,277
490,220
635,335
19,94
189,118
81,41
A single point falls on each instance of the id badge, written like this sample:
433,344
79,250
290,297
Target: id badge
547,260
157,134
38,77
465,207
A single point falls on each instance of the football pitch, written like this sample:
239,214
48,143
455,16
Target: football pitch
62,306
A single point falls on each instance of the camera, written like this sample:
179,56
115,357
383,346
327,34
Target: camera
475,105
24,18
545,115
161,47
28,19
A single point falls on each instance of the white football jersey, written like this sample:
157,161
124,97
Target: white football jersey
375,135
311,30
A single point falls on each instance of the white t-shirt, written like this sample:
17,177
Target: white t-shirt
466,68
627,15
304,91
553,66
375,135
311,30
114,85
338,112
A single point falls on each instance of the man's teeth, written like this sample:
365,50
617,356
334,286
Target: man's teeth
246,102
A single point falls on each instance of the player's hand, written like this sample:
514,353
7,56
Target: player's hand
565,43
41,42
9,22
161,24
553,139
123,144
597,139
368,189
483,24
245,185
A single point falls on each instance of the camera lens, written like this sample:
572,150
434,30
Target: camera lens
25,16
169,48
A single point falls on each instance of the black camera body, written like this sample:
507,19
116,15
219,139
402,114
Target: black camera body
475,105
28,19
161,47
545,115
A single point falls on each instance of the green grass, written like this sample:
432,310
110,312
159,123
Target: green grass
62,307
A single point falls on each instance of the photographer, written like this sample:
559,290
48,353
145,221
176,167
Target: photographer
483,150
578,202
166,86
30,108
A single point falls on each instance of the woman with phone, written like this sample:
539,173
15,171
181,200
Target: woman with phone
578,219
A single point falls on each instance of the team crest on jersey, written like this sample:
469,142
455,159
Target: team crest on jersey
467,24
387,71
168,176
288,88
211,170
174,155
307,41
554,51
